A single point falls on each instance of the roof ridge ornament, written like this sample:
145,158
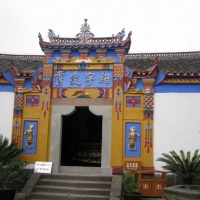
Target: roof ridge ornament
85,33
52,35
121,34
87,40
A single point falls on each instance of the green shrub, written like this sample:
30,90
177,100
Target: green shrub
13,174
129,184
12,171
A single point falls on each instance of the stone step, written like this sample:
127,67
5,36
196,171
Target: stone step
58,196
151,198
71,190
70,186
87,177
74,183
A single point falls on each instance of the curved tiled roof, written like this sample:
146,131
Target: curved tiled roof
185,62
21,62
179,62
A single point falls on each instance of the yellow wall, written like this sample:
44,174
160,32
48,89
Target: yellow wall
121,114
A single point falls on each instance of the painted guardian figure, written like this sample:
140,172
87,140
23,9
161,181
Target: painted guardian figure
132,137
30,134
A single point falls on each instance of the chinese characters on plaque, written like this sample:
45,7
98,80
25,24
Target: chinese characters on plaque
90,79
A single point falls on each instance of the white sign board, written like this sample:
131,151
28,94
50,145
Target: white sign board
43,167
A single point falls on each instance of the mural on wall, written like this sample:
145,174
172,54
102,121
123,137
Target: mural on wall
81,94
30,136
133,139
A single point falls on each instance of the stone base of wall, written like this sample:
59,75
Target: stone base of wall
175,180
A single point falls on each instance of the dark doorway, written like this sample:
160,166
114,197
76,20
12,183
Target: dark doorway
81,138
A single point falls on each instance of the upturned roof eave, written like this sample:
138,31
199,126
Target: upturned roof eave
53,45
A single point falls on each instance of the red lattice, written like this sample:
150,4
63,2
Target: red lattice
149,101
118,70
47,71
18,100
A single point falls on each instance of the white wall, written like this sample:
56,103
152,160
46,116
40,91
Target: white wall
176,123
6,113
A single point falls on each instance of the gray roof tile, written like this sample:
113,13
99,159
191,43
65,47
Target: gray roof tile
183,61
22,62
178,62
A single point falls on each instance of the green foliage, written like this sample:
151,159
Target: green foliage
129,184
12,171
8,151
183,165
13,174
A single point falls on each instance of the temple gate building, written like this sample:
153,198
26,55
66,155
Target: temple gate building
88,105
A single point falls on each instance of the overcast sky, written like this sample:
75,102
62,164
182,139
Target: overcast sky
157,25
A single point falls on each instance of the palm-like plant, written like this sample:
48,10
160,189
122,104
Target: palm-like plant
12,172
8,151
183,165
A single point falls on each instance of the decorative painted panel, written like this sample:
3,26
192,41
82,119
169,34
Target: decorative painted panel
62,93
148,143
133,139
30,136
32,100
83,79
133,101
18,107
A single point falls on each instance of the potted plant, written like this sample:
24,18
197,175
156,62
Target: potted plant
12,172
130,187
183,165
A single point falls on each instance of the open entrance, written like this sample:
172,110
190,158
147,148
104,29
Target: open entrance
81,138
